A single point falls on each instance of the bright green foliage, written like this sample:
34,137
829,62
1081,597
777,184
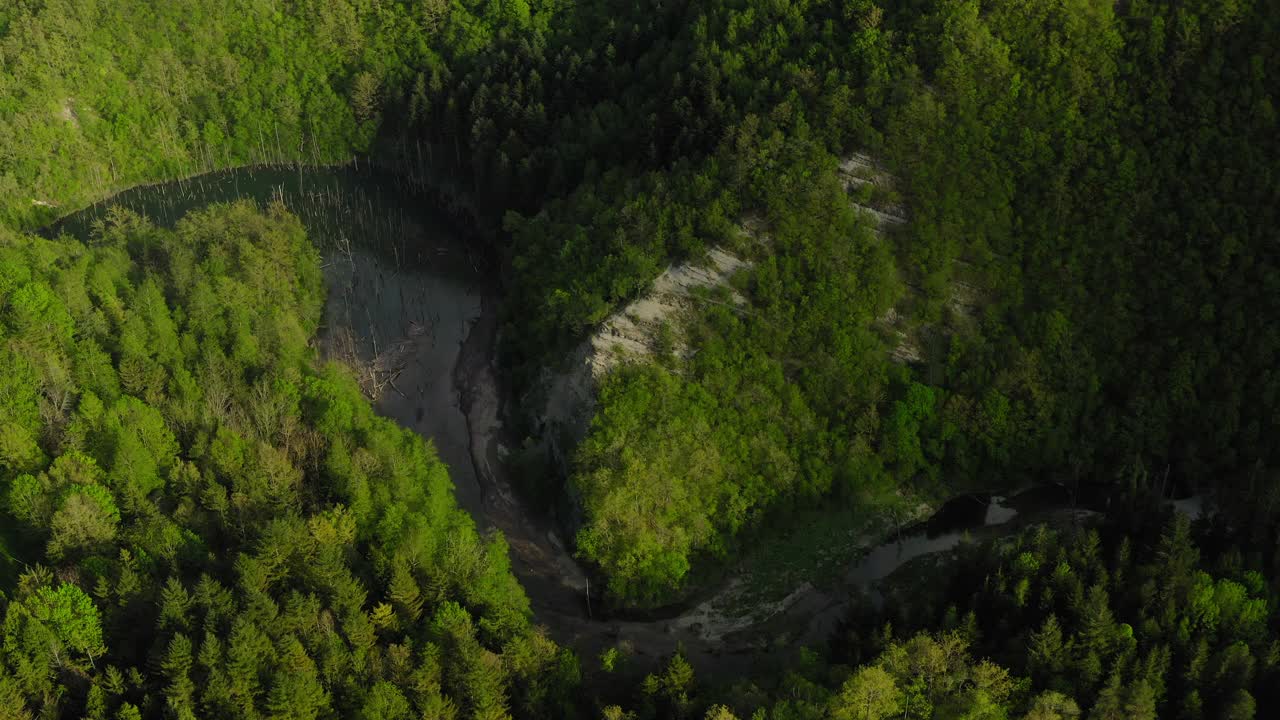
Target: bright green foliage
871,694
256,540
641,530
909,417
120,93
1085,276
19,428
70,616
124,92
1052,705
49,629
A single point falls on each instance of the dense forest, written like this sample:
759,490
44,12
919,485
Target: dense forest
199,517
1142,615
178,464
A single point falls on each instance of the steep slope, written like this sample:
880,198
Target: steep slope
649,326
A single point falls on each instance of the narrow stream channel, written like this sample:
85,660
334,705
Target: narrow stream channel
395,271
410,308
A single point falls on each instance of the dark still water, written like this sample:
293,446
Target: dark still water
403,287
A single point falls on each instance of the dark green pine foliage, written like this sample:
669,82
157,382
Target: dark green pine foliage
1159,631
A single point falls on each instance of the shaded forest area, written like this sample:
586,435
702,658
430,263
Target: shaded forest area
1102,181
172,457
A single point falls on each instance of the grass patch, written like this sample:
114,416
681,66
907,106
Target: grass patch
815,546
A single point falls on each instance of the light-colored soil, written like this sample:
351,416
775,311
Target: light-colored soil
860,171
68,113
630,334
750,619
716,635
732,621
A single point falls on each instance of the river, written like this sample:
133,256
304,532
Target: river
404,289
412,309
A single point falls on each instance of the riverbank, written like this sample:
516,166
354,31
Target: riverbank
415,312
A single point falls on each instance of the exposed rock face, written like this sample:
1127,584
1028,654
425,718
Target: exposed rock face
859,171
568,396
634,332
872,192
649,325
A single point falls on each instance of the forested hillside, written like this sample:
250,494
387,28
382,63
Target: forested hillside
199,518
99,96
213,523
1088,190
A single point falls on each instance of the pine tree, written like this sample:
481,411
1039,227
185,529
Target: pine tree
249,654
383,617
175,603
180,691
296,691
1140,702
1110,702
1046,652
405,594
1191,707
385,702
1240,706
1097,625
1176,558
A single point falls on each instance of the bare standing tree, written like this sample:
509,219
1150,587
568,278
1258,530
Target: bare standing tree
365,99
